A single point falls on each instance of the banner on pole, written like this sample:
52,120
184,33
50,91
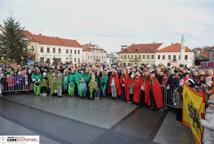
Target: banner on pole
193,110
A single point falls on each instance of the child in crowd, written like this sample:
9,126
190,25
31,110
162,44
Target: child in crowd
93,88
44,84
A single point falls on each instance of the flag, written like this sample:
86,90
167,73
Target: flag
193,111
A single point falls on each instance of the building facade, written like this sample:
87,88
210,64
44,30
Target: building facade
211,54
93,54
139,53
53,49
112,58
175,54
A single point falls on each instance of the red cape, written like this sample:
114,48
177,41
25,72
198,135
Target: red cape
157,92
137,89
117,83
127,82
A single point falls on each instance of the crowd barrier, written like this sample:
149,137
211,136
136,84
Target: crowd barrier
16,84
167,93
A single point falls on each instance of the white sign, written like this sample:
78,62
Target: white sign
19,139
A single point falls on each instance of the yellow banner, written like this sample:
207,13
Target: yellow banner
193,109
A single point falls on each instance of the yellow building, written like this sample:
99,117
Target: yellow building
139,53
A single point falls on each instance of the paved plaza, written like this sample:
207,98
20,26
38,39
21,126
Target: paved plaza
71,120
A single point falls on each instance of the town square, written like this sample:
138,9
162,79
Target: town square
106,72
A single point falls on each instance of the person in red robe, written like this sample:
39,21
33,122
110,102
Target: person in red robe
153,93
124,83
137,88
114,84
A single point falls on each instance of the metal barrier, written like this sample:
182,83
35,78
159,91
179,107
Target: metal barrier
167,93
16,84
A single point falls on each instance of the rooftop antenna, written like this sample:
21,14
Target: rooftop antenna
182,40
182,50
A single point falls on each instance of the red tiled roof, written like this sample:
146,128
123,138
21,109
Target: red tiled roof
47,40
142,48
205,54
174,48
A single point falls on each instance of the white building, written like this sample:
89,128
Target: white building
93,54
175,54
143,53
112,58
53,49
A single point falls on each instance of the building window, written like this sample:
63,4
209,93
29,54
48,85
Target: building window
66,51
174,57
54,50
71,51
42,59
78,60
121,56
143,56
152,56
41,49
48,50
139,56
186,57
135,56
158,56
169,57
78,51
124,57
75,60
131,56
147,56
163,57
75,52
128,56
59,50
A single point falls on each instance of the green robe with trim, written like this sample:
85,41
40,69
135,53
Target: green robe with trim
65,82
53,85
71,87
104,80
36,77
59,86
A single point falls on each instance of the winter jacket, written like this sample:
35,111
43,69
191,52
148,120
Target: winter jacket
208,123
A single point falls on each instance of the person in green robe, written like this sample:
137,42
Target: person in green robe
59,84
104,81
93,87
78,76
71,87
36,78
44,84
71,83
65,81
82,88
87,77
53,84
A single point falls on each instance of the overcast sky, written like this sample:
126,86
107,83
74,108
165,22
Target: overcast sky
114,23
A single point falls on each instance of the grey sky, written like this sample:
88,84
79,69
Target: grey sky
114,23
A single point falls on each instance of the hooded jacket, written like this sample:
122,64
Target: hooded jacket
208,123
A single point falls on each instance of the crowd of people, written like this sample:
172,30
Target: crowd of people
145,85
